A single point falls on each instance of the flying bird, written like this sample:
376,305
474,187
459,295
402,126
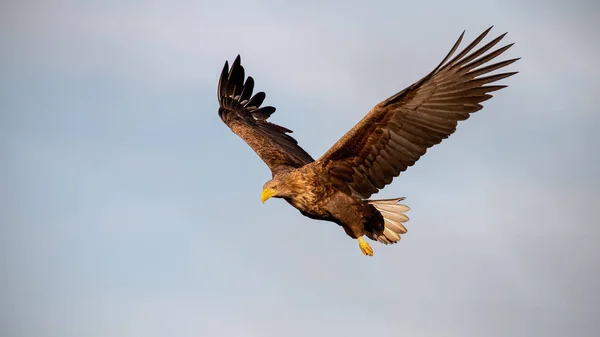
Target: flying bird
389,139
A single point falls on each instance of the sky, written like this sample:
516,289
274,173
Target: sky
129,209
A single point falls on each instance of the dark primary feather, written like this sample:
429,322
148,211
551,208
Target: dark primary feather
243,113
399,130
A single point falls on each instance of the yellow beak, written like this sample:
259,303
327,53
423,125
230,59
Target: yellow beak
266,194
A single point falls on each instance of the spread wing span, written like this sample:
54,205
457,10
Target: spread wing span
242,112
399,130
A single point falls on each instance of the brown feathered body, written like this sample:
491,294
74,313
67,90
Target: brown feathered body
389,139
311,192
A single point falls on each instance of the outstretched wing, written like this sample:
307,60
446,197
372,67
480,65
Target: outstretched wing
399,130
244,115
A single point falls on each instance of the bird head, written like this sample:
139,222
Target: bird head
273,188
270,189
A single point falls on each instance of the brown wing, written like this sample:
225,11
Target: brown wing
244,115
399,130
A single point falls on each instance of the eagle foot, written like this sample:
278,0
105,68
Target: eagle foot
364,247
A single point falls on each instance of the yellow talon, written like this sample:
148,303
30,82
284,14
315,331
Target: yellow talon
364,246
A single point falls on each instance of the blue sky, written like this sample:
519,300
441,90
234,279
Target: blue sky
129,209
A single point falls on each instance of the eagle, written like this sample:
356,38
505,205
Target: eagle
392,136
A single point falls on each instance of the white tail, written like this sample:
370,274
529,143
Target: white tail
393,217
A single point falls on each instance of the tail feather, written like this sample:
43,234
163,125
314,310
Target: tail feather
393,217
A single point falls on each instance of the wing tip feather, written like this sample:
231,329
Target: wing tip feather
235,89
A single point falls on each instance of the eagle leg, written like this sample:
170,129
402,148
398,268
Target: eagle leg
364,247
